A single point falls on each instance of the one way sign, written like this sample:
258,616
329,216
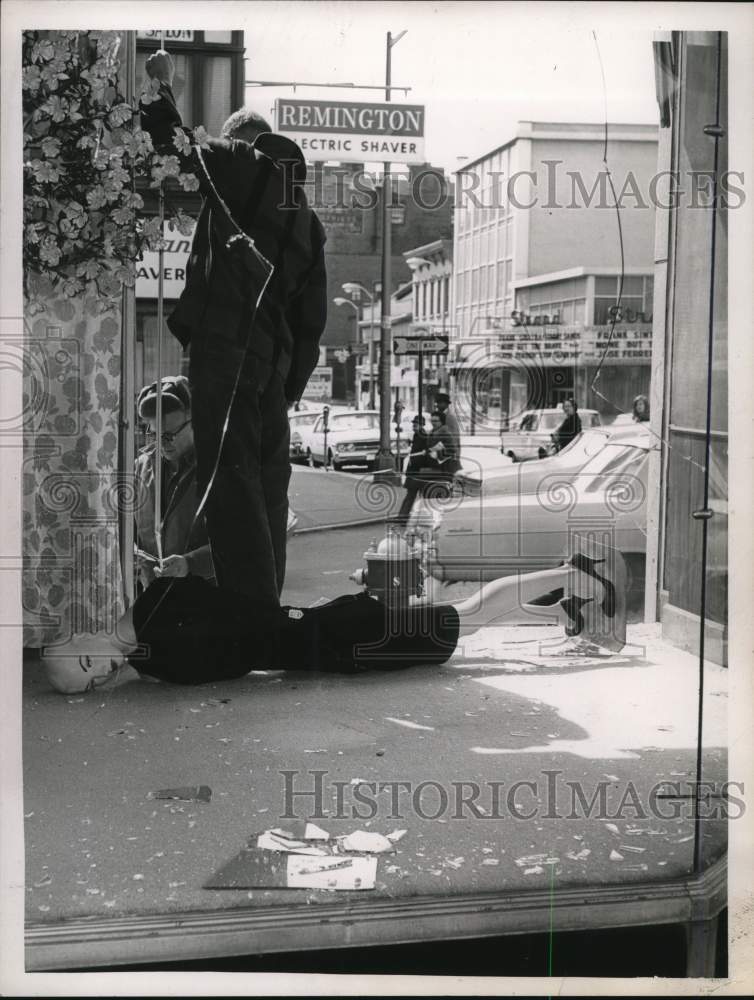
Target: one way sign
420,345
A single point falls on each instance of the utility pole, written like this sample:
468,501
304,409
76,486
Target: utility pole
384,460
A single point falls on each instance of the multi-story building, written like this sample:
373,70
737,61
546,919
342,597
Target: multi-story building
538,255
349,205
431,268
404,379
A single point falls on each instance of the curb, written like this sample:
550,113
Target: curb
339,525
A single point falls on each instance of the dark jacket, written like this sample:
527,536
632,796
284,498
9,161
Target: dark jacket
180,534
445,459
568,430
254,181
418,452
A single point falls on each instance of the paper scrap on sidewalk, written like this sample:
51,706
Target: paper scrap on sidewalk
615,856
190,793
581,855
305,856
313,832
536,859
366,842
271,840
260,869
335,872
408,724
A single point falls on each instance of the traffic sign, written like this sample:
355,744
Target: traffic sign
420,345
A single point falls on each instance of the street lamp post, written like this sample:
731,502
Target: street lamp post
356,289
414,263
384,460
340,301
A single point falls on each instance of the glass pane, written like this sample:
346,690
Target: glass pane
181,82
218,37
632,286
606,286
694,243
216,93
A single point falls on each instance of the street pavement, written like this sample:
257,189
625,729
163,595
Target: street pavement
511,706
322,498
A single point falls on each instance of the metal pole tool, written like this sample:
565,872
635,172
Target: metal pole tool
158,365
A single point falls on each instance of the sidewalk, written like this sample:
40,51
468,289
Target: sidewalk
509,708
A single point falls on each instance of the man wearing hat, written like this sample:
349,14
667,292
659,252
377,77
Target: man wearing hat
442,404
185,545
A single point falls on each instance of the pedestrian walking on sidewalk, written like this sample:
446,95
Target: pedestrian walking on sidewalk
443,406
441,457
417,457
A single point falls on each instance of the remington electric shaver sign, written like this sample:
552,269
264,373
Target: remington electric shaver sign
347,130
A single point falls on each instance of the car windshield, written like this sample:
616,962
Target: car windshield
552,420
355,422
610,462
303,419
529,422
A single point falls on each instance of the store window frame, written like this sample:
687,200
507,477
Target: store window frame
628,300
199,52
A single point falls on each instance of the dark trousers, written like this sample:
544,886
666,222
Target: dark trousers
413,486
429,481
247,508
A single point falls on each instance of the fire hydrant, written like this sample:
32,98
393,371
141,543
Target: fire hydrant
393,572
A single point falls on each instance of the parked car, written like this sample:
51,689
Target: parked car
623,420
352,439
300,423
531,436
491,536
525,477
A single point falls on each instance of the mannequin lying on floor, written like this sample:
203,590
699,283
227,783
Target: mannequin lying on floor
185,631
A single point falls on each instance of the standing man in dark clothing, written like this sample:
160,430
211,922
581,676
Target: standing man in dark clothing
247,364
442,458
450,421
416,460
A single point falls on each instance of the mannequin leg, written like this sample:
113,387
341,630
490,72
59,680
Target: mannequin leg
593,606
499,597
